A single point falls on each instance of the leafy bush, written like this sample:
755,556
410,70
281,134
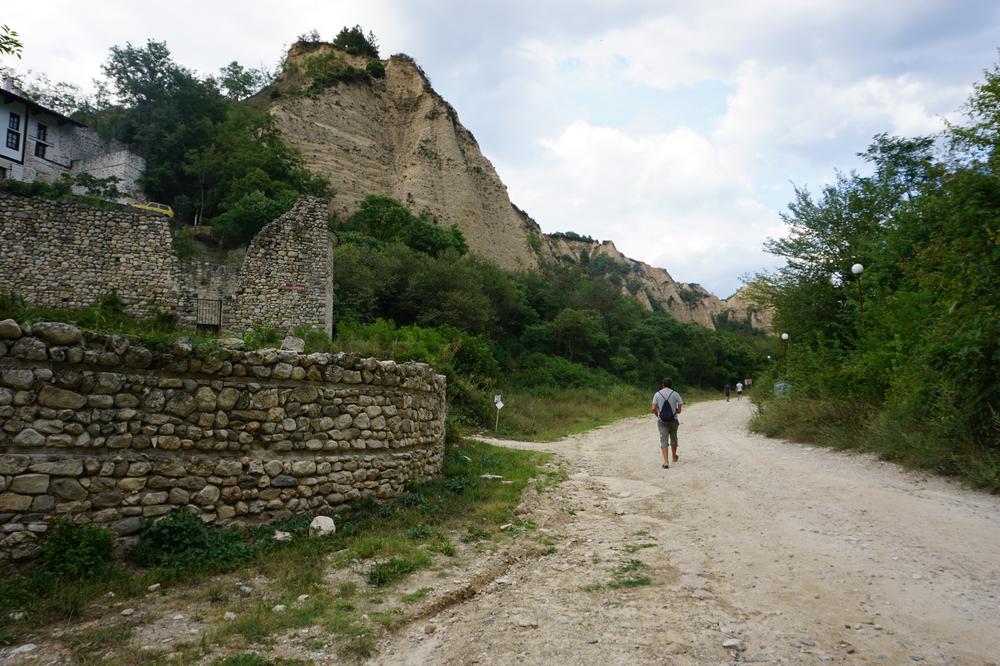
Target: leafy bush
183,243
180,540
316,340
75,551
248,214
534,242
261,337
328,69
375,69
102,188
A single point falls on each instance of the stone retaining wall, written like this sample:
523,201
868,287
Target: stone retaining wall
96,428
68,255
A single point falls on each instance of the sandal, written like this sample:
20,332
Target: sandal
666,467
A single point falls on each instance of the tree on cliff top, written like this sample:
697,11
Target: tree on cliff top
354,41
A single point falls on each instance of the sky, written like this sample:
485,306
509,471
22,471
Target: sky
678,130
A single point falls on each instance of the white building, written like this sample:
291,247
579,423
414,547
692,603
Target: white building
40,143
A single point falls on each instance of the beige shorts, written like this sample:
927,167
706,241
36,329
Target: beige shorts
668,432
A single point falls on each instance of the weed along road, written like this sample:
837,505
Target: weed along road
746,550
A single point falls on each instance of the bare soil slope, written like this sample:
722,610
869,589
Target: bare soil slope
756,551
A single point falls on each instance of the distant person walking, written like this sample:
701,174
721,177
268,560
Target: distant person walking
739,390
667,404
727,391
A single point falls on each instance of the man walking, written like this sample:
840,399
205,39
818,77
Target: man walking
667,404
727,390
739,390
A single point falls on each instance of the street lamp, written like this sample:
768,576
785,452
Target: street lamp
858,269
784,338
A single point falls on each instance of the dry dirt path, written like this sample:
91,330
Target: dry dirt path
757,550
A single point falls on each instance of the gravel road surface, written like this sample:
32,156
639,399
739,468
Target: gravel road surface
746,550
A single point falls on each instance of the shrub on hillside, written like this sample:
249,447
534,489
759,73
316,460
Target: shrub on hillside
328,69
375,69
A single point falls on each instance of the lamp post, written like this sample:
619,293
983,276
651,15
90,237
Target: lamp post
784,338
858,269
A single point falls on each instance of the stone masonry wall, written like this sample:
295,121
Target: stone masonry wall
287,274
67,254
60,254
95,428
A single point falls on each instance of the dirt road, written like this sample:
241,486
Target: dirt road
754,550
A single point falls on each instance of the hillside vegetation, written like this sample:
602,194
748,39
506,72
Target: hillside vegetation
406,288
904,360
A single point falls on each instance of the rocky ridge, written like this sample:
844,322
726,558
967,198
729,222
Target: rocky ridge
397,137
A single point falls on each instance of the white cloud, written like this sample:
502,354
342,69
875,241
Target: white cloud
671,199
786,109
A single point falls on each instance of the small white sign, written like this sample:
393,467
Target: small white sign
499,403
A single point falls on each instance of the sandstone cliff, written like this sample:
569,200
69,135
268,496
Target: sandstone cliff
397,137
654,287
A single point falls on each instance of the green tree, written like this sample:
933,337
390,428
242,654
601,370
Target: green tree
580,334
386,220
239,82
213,158
354,41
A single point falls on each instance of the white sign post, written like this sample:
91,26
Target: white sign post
499,403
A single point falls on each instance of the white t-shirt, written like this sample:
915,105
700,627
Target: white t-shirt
739,387
667,394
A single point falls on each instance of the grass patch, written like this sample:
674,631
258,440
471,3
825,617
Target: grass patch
545,414
396,569
629,574
106,316
414,597
636,547
626,575
92,644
